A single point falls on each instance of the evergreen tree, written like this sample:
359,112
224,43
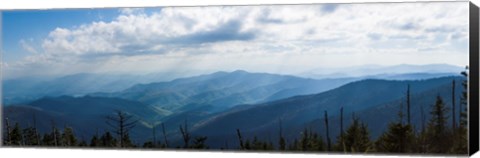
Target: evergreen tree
47,140
95,142
30,136
68,138
460,145
107,140
281,139
357,137
83,143
16,137
398,138
437,131
199,143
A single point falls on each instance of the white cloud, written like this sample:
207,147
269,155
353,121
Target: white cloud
287,38
27,46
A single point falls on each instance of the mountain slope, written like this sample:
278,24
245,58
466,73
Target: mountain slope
359,97
223,90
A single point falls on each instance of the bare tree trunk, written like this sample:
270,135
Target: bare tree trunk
9,136
341,124
240,139
37,137
408,104
328,134
154,137
164,136
54,133
185,134
454,125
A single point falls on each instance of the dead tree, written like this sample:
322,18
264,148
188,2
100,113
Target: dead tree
122,123
341,123
154,136
408,104
9,136
327,132
55,137
185,134
164,136
454,125
240,140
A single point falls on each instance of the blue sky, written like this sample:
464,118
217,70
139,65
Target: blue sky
276,39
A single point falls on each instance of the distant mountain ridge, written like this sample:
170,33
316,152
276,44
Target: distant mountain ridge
222,90
360,97
382,72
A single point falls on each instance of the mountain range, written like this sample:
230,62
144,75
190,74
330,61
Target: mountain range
217,104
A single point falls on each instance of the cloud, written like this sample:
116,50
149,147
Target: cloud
292,37
28,47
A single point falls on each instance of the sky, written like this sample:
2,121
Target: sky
284,39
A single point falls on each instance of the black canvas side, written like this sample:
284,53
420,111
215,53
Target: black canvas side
473,117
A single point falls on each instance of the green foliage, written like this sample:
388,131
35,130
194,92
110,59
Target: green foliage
199,143
16,135
357,137
398,139
68,138
107,140
437,132
31,136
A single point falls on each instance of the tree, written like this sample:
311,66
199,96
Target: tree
185,135
122,123
310,141
460,145
327,132
30,136
340,144
408,104
437,132
454,125
240,140
107,140
357,137
199,143
281,139
398,138
68,137
16,137
7,137
164,136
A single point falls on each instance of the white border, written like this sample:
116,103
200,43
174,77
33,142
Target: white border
58,4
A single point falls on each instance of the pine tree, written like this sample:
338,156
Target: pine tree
199,142
95,142
281,139
398,138
357,137
460,145
16,137
107,140
30,136
7,135
68,137
437,131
